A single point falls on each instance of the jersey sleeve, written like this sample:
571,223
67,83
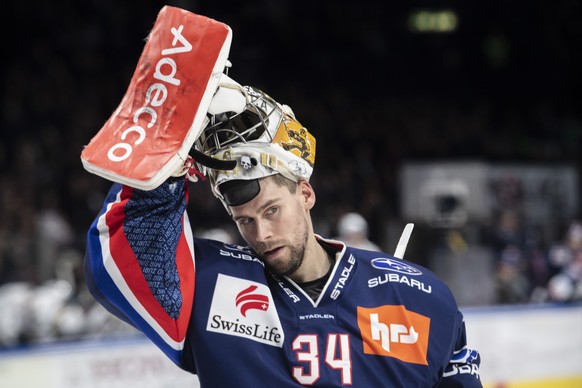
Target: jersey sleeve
463,368
140,262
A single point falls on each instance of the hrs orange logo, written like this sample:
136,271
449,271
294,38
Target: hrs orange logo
395,332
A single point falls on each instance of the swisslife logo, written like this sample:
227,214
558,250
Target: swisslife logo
394,331
244,309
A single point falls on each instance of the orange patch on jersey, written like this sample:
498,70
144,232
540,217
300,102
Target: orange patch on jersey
394,331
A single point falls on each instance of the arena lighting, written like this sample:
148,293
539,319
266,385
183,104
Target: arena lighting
432,21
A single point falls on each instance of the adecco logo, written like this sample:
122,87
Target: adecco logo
155,96
395,265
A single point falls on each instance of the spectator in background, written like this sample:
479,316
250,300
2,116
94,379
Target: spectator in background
566,284
511,281
512,284
353,230
563,253
55,234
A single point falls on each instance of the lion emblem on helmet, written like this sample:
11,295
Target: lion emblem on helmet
296,139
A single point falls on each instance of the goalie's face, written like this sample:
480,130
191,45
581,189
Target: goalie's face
277,224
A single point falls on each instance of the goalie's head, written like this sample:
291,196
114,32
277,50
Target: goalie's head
263,137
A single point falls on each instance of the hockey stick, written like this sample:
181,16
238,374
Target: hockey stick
403,242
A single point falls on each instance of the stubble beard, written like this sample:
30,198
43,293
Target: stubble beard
289,265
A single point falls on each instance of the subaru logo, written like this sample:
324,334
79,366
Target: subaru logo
395,265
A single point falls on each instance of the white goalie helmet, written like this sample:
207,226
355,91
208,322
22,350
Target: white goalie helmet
263,137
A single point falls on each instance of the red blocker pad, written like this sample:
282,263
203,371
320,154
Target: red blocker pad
149,135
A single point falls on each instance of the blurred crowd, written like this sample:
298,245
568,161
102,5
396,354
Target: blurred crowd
369,108
526,272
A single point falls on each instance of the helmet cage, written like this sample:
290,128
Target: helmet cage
264,132
260,114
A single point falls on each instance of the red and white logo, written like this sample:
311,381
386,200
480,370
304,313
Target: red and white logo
162,113
244,309
394,331
248,299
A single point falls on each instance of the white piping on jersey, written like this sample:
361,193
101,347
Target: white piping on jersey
339,255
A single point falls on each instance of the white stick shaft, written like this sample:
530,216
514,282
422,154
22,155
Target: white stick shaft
403,242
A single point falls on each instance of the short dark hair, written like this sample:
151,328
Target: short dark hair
280,180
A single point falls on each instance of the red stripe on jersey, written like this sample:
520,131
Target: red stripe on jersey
129,267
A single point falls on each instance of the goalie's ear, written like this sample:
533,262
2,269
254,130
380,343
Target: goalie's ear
149,135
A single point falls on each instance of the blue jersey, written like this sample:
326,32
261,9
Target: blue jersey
216,311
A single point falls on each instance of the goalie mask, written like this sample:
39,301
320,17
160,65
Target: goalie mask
261,136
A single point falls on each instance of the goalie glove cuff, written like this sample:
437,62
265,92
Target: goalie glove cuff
189,170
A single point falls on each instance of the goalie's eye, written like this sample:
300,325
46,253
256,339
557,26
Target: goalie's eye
244,221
